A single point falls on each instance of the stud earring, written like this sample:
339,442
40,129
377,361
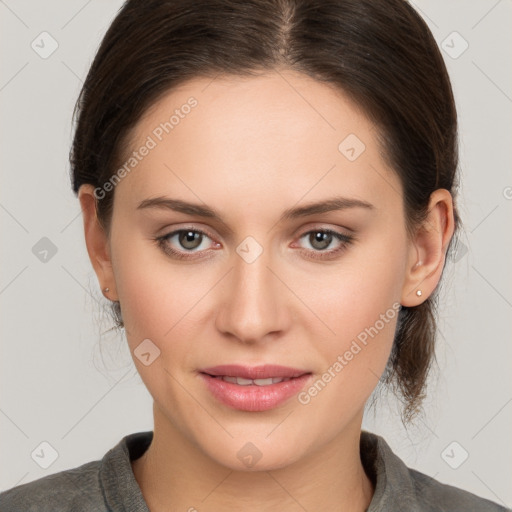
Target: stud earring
106,290
418,293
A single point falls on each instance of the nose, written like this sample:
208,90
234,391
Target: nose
253,303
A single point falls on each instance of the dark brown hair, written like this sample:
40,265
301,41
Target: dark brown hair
380,53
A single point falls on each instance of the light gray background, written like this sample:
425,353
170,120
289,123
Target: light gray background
54,385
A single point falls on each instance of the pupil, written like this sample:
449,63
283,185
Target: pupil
189,237
324,238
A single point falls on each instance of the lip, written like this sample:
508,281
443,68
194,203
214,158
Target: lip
254,372
254,398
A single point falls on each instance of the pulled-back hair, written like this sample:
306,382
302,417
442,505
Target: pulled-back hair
380,53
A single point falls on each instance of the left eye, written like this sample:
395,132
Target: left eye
191,240
323,238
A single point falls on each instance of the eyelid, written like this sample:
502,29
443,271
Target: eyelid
326,227
303,231
344,240
179,229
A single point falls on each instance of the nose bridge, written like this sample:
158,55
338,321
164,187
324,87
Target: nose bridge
251,306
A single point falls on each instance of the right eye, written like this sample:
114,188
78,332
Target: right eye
189,239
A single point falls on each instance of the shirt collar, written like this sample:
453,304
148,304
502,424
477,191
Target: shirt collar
120,488
393,486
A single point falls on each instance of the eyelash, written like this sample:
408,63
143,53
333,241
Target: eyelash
345,240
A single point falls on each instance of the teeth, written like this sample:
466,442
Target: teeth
258,382
264,382
244,382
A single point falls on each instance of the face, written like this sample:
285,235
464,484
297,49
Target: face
317,291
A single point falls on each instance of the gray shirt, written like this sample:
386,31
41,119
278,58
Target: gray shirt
109,484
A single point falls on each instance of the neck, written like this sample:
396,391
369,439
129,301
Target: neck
175,474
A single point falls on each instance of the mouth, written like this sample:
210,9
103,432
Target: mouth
251,382
254,373
256,388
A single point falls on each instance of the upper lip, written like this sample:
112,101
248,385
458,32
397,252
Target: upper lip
254,372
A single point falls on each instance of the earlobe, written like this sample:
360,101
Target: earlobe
96,240
428,250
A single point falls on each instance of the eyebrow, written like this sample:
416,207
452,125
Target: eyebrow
326,205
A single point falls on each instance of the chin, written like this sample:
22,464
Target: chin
253,456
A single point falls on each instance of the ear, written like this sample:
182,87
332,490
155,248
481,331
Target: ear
428,249
97,241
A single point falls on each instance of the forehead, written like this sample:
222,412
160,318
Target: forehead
281,132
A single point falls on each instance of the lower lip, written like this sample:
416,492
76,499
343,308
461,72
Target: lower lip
254,398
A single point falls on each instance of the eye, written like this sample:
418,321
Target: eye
320,239
188,240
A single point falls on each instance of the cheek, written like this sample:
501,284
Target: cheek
354,357
352,295
357,334
358,305
158,303
155,294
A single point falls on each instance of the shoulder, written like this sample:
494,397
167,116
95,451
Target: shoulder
101,485
399,488
73,489
436,496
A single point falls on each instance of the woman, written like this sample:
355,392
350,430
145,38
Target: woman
267,190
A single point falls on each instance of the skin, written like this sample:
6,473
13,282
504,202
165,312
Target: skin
250,149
